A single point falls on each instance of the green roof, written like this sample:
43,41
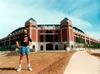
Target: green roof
65,19
16,30
31,19
78,29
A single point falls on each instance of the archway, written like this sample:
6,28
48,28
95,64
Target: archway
56,47
41,48
33,46
49,47
64,47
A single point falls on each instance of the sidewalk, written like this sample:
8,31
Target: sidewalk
3,52
96,51
83,63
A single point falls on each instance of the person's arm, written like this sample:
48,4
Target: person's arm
18,45
29,46
30,42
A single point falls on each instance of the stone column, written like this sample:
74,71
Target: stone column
89,41
44,47
53,37
54,46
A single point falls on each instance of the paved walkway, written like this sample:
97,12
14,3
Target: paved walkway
83,63
3,52
96,51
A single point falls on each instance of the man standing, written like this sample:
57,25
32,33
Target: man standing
24,49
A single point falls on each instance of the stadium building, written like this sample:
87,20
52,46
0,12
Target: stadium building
49,36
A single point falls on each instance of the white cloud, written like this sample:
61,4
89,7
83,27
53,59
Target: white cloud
14,16
82,11
80,23
42,15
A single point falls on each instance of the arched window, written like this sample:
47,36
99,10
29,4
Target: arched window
33,46
49,47
41,48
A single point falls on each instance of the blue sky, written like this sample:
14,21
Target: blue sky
84,14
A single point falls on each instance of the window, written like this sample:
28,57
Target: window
49,37
41,31
64,25
41,38
56,37
33,26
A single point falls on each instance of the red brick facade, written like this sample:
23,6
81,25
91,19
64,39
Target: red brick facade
49,36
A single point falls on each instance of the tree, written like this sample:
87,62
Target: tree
96,45
80,40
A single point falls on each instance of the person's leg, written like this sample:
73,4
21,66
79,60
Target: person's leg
20,60
28,62
22,51
20,63
28,58
27,55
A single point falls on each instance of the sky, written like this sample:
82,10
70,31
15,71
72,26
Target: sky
84,14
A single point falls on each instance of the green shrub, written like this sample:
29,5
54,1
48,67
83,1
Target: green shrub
4,48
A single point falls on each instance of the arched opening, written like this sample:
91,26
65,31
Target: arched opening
49,47
41,48
64,47
33,46
72,46
56,47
